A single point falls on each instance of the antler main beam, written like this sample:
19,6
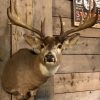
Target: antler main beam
16,21
88,22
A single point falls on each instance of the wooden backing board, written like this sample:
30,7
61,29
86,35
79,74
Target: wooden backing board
75,82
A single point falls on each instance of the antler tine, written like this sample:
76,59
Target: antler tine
61,25
43,26
16,21
88,22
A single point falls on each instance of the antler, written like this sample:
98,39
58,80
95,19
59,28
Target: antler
43,26
16,21
88,22
61,25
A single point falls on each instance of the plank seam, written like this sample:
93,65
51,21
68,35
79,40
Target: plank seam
79,72
80,91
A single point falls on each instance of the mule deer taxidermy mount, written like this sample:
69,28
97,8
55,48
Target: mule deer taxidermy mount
27,69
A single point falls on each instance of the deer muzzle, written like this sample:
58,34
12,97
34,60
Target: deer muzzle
49,58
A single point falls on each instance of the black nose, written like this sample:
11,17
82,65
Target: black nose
49,57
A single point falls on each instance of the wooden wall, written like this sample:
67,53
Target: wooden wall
78,78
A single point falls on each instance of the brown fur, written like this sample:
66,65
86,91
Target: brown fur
21,75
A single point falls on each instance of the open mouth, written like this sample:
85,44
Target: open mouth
49,60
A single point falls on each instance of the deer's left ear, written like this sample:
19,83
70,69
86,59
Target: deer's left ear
70,41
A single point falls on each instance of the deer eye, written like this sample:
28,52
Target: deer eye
42,46
59,46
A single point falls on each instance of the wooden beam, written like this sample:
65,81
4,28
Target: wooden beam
4,44
43,10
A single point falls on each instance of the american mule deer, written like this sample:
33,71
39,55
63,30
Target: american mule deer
27,69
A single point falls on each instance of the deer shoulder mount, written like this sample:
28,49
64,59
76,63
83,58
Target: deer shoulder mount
26,70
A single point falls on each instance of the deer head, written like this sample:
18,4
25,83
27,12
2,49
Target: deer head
48,47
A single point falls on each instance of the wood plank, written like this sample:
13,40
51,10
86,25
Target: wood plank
24,14
84,46
75,82
4,44
43,10
79,63
63,8
88,95
68,24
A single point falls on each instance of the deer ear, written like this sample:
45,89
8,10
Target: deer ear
71,41
33,41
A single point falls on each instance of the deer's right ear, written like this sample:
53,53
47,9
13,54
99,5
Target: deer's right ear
33,41
72,40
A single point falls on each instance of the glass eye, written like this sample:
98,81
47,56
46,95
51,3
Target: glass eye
59,46
42,46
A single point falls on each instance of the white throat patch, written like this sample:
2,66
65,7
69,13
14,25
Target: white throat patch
47,72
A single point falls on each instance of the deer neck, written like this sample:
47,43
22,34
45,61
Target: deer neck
48,70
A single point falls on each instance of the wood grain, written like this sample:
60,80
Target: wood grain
75,82
43,10
79,63
63,8
68,24
24,14
88,95
84,46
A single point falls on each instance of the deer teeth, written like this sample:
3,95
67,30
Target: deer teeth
49,60
53,59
